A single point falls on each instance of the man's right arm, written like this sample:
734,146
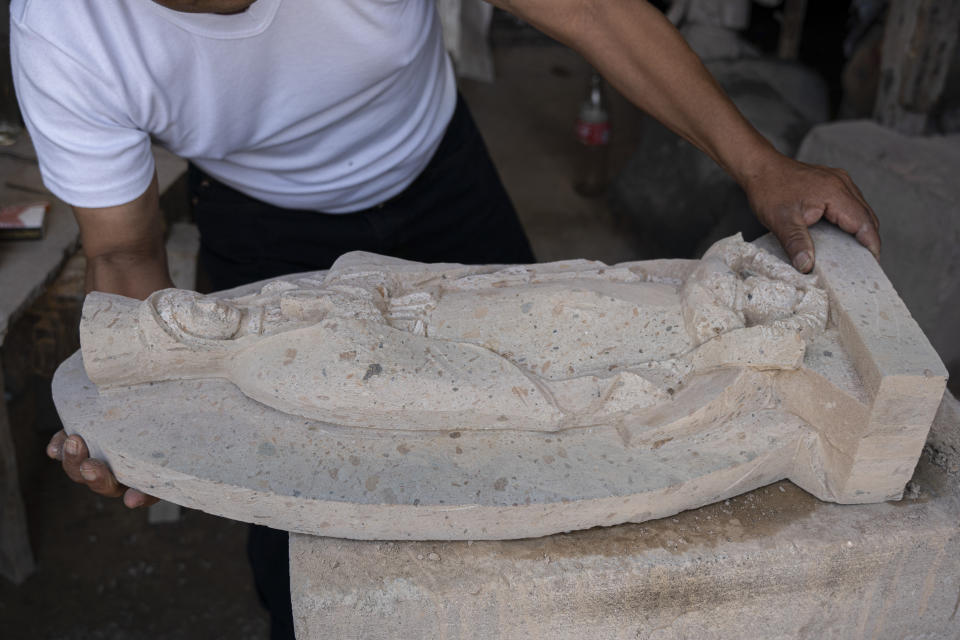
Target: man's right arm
125,252
124,246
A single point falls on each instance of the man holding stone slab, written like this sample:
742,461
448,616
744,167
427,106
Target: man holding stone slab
318,127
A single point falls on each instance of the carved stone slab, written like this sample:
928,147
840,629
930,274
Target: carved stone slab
772,564
841,408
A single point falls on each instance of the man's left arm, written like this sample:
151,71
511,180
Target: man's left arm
641,54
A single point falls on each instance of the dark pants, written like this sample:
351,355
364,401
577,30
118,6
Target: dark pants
455,211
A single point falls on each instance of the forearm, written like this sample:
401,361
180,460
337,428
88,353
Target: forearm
124,247
640,53
131,274
125,255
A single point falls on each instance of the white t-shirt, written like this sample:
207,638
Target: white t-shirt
327,105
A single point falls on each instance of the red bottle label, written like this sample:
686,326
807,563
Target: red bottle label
593,134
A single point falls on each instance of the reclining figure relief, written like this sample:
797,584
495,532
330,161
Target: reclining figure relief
383,343
387,399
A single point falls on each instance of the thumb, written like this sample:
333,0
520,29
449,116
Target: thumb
796,240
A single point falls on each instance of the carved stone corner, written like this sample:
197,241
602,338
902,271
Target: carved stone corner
869,443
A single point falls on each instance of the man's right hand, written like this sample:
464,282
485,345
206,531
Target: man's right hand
80,467
125,255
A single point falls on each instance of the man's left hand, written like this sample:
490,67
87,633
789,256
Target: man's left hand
788,196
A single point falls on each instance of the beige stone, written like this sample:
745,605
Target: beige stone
773,564
389,400
387,344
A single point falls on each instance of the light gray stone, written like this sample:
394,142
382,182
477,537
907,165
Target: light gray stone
911,183
732,14
775,564
714,42
569,438
183,243
800,87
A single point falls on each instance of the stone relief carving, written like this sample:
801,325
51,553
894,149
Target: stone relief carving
389,399
388,344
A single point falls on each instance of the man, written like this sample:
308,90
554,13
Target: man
319,126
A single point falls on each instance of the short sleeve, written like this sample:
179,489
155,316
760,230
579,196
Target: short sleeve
90,152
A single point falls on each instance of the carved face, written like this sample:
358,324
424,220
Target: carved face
198,316
279,306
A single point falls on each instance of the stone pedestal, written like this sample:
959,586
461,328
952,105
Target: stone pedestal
774,563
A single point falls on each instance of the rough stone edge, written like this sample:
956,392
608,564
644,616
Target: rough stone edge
907,391
376,521
879,570
943,443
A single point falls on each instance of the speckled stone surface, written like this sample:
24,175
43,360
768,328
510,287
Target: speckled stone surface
844,417
773,564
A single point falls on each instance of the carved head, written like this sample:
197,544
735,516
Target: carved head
198,316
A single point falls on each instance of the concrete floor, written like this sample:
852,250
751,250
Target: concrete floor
103,572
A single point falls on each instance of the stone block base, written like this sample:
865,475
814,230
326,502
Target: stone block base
774,563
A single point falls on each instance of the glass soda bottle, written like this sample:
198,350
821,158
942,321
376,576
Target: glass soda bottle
593,133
